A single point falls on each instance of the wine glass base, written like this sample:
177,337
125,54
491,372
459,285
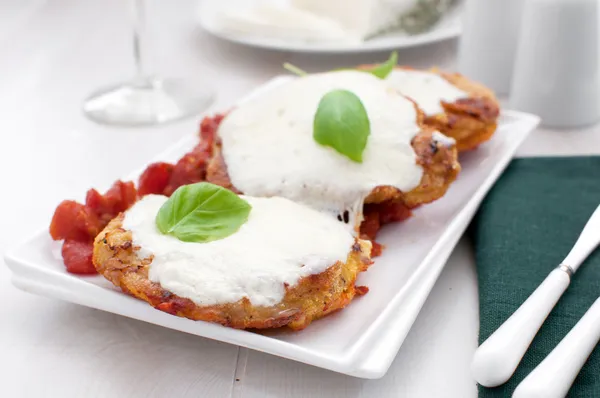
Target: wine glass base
151,102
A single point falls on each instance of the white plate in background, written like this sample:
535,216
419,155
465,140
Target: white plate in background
361,340
448,27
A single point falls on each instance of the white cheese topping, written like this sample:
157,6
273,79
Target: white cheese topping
361,18
427,89
281,21
342,21
280,243
269,149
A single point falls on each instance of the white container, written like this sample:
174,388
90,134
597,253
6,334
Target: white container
489,41
557,68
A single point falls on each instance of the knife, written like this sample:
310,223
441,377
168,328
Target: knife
497,358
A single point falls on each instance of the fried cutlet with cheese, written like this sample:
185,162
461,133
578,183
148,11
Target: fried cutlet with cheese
452,104
470,121
127,262
266,148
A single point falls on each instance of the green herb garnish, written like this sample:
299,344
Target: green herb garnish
202,212
342,123
383,70
294,69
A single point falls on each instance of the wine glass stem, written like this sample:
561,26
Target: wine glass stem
138,41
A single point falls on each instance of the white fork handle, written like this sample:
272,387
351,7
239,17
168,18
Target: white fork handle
586,243
497,358
554,376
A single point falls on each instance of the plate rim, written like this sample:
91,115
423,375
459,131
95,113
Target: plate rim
30,277
448,240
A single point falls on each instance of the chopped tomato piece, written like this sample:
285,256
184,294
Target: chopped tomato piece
393,211
370,225
117,199
155,178
191,168
128,195
378,214
74,221
377,249
79,224
208,131
78,257
95,201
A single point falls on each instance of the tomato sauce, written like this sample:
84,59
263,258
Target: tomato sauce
78,224
155,179
378,214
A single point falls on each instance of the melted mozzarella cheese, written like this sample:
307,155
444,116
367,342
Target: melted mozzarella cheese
427,89
280,243
269,149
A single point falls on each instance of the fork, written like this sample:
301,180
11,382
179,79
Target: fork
553,377
497,358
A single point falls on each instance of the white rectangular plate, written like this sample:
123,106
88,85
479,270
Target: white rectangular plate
363,339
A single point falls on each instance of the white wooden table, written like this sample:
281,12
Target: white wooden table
53,54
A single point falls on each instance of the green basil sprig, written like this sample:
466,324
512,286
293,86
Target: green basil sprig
202,212
341,122
294,69
383,70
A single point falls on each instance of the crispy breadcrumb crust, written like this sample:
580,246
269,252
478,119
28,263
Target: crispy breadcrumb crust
438,160
470,121
116,258
440,169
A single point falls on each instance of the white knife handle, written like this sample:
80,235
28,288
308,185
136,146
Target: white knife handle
554,376
588,240
497,358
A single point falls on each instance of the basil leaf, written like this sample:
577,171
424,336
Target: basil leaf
341,122
384,69
294,69
202,212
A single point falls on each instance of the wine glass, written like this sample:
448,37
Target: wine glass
145,100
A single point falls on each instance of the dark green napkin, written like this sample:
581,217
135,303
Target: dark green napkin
524,229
